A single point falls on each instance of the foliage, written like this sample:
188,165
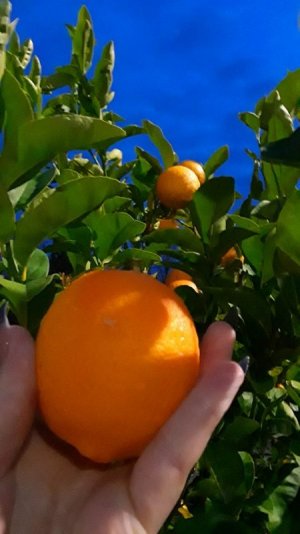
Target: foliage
64,212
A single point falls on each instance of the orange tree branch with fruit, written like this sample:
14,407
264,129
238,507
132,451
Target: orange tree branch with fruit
70,204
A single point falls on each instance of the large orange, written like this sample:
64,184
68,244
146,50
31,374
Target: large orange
116,353
176,186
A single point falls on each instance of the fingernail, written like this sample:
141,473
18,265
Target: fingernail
3,315
244,364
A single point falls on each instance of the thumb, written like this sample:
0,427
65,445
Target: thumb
17,391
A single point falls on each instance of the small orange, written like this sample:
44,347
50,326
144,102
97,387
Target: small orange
176,278
166,224
116,353
230,256
196,167
176,186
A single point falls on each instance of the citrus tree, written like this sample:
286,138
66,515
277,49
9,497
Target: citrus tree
69,203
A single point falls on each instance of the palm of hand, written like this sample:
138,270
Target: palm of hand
45,488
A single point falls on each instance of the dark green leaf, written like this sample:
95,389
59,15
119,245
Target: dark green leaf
184,238
138,256
240,429
250,302
228,470
285,151
7,217
276,504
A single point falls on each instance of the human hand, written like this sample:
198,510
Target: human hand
46,487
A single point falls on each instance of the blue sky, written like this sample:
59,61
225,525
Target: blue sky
188,65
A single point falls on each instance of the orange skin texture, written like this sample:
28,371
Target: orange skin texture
166,224
230,256
196,167
176,278
116,353
176,186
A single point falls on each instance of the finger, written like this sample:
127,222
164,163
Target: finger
160,473
216,345
17,391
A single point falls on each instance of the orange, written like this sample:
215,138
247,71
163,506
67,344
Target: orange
176,278
196,167
230,256
164,224
176,186
116,353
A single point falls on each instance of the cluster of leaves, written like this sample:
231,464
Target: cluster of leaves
63,212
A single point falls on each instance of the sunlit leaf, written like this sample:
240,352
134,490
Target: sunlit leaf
70,201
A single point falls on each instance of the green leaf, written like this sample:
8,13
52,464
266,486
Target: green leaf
150,159
289,90
210,203
184,238
169,157
5,10
240,429
245,223
21,196
285,151
38,285
15,293
249,470
25,53
69,202
7,217
268,259
251,303
37,265
288,228
82,40
216,160
112,230
41,140
103,75
253,250
135,255
18,112
277,502
115,204
61,78
35,71
228,470
251,120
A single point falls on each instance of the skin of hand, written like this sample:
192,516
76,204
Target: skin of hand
45,487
